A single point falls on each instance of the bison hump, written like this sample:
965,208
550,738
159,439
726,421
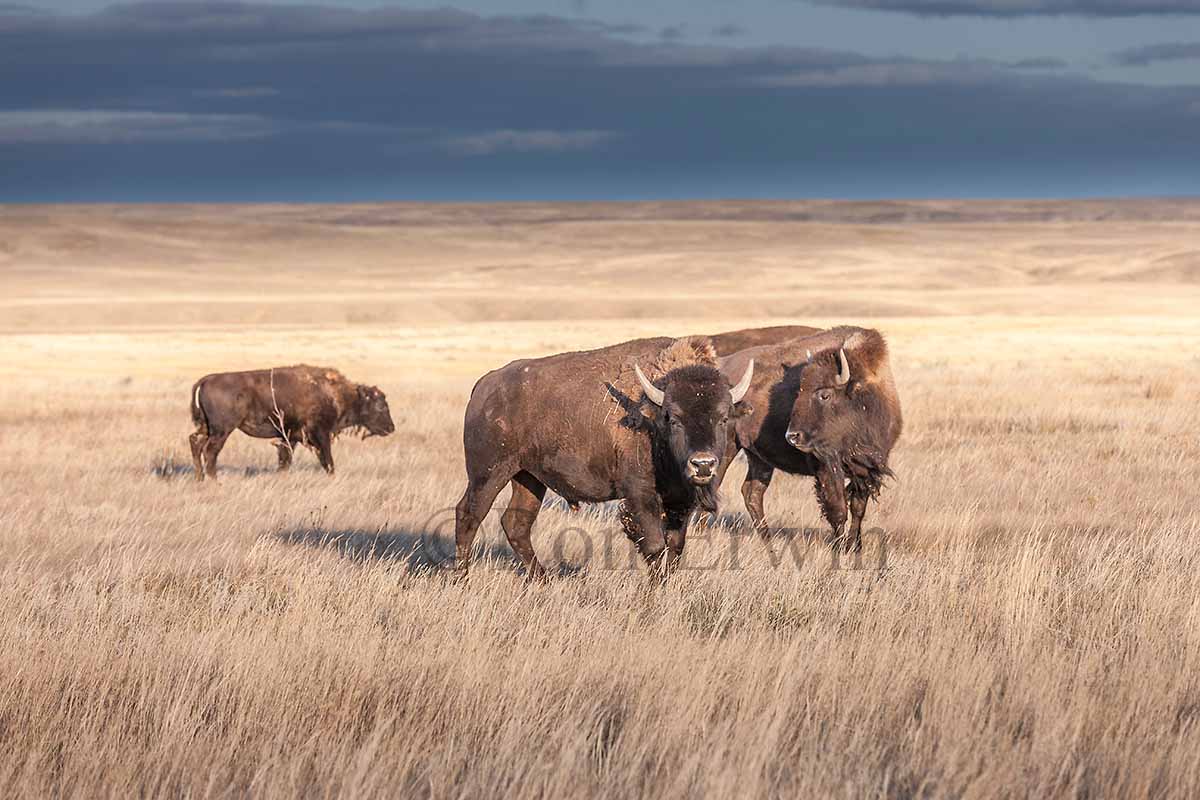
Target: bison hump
626,392
685,352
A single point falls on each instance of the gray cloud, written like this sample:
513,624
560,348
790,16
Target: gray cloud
672,33
1022,8
255,33
887,74
239,92
1150,54
387,66
450,104
20,9
108,126
1039,63
899,72
90,126
231,31
492,142
728,31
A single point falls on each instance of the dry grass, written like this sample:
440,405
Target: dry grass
1036,629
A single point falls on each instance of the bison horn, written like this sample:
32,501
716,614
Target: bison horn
843,376
743,386
654,393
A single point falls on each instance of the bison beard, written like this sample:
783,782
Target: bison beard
863,464
867,470
702,497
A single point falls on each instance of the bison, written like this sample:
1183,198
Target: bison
593,427
292,405
823,405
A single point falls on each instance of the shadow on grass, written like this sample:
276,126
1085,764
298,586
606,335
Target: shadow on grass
419,551
735,523
170,468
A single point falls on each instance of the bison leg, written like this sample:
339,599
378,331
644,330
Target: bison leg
643,524
285,455
518,519
831,494
475,503
197,441
212,448
323,443
858,509
758,478
676,535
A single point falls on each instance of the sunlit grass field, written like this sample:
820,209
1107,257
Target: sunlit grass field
1025,620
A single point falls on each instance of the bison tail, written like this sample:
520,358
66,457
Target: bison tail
199,416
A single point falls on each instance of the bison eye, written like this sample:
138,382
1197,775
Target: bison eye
825,395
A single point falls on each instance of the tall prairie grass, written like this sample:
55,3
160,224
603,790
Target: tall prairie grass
1027,624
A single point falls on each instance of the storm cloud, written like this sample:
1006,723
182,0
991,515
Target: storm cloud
248,101
1154,53
1024,8
104,127
485,144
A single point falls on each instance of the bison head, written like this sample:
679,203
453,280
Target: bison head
373,412
846,410
694,407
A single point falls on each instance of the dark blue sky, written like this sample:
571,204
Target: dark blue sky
582,99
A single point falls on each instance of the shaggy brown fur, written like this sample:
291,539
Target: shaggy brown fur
842,441
686,352
731,342
580,424
861,422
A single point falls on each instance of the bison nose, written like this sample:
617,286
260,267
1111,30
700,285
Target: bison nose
796,438
704,464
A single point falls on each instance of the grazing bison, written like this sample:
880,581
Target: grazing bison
593,427
823,405
293,405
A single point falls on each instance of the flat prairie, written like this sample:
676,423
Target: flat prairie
1025,620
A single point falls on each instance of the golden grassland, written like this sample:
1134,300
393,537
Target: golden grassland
1028,624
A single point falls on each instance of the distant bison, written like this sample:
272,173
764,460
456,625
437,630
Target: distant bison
593,427
293,405
823,405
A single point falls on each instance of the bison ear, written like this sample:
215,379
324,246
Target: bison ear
742,409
